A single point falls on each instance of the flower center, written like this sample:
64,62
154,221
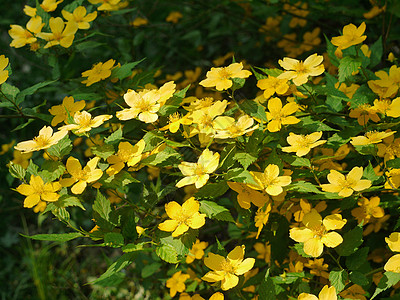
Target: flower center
224,73
227,267
301,68
41,141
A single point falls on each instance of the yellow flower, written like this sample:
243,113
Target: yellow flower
270,181
371,137
302,144
317,232
355,291
389,149
22,36
351,36
261,217
177,283
247,195
127,154
61,34
318,267
363,113
84,122
272,85
98,72
327,293
394,108
196,252
3,71
264,251
143,105
44,140
227,269
182,217
227,127
278,115
393,264
38,192
346,185
80,17
299,71
21,159
198,173
60,111
139,22
50,5
174,17
30,11
349,91
81,177
109,5
175,121
165,92
221,77
367,209
204,117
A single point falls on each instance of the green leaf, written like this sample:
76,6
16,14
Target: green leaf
309,124
118,180
331,52
17,171
103,151
359,278
115,137
272,72
125,70
102,206
167,253
121,263
393,163
357,259
238,83
303,187
128,223
133,247
366,149
336,102
113,239
52,170
9,90
167,157
376,53
62,237
370,174
296,161
388,280
66,201
266,289
62,148
32,169
351,241
299,247
254,109
245,159
177,243
31,90
149,270
212,190
88,45
215,211
338,279
347,66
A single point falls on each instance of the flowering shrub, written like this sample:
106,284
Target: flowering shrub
239,182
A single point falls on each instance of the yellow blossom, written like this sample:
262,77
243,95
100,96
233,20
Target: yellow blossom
221,60
80,17
3,71
61,34
227,127
317,232
182,217
389,149
311,39
81,177
393,179
143,105
22,36
349,91
108,5
272,85
21,159
306,207
394,108
98,72
327,293
355,291
38,192
278,115
177,283
7,147
371,137
127,154
139,21
174,17
352,35
221,77
261,217
30,11
227,269
318,267
198,173
298,9
391,57
363,113
302,144
175,121
50,5
264,251
247,195
299,71
204,116
68,106
270,181
196,252
44,140
367,209
346,185
375,10
84,122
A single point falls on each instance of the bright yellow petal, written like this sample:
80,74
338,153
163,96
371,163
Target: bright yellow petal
229,281
245,266
332,239
168,225
173,210
327,293
301,234
214,261
313,247
393,264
